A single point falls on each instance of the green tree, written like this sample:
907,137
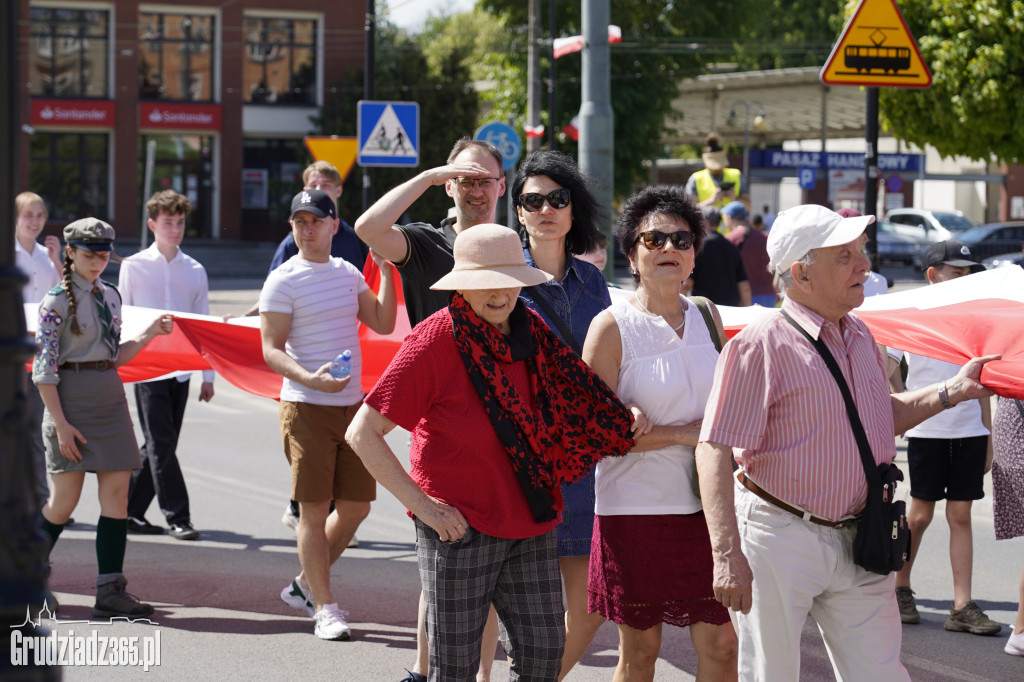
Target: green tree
662,43
448,110
780,34
974,106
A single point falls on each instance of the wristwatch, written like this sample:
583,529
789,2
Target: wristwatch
944,396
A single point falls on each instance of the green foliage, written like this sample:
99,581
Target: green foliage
782,34
448,111
974,106
659,48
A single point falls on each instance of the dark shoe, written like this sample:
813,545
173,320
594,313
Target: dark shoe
908,609
413,677
70,522
183,531
143,527
112,601
971,619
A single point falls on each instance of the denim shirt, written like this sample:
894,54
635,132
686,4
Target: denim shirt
577,299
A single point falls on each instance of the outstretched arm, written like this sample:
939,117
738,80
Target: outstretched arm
377,226
912,407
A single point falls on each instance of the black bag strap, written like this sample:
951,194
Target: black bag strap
705,312
1020,407
563,328
870,467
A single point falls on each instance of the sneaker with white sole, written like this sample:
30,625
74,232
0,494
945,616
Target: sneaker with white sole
290,518
331,623
1015,645
299,599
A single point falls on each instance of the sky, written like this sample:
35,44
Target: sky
410,14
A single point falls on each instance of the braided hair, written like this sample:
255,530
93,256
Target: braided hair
70,291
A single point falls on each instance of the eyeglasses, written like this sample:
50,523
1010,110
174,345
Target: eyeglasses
655,239
476,183
558,198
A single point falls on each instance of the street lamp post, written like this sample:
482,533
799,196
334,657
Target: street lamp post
758,123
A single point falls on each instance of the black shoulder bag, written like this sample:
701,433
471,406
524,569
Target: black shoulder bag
883,536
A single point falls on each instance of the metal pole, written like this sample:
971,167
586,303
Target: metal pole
147,186
552,72
596,117
533,77
871,171
746,145
823,165
368,78
23,547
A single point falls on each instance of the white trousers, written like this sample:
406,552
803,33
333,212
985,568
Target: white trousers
800,567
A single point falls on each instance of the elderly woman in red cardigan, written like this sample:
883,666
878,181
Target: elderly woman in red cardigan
501,414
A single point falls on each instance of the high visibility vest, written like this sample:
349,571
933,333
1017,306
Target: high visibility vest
706,186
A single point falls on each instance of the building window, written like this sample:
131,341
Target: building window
69,170
68,50
176,56
183,163
280,61
283,161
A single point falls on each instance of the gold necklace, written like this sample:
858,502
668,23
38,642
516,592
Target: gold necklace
677,327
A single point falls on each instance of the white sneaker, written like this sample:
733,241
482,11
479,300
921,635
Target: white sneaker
290,519
331,623
294,596
354,542
1015,645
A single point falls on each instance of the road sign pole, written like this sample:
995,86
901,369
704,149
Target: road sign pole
871,172
368,77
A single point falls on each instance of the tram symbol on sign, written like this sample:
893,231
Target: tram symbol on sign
866,58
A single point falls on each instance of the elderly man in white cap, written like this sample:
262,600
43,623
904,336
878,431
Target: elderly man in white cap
782,528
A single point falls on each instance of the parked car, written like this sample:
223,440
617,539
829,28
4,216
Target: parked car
1004,260
893,247
993,239
926,227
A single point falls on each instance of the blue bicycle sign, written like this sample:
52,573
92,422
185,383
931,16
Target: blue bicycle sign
504,137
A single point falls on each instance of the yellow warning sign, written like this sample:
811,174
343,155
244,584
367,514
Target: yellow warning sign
339,151
876,49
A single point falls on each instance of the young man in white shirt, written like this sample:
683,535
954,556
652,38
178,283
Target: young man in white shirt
164,277
948,455
310,310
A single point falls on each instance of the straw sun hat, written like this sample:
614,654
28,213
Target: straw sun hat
489,256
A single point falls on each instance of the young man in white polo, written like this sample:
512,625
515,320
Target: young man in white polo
310,309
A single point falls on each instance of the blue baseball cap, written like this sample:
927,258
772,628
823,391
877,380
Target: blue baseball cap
735,209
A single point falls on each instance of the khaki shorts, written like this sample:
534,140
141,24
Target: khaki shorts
324,467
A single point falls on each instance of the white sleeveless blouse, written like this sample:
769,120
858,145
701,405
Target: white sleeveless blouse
669,378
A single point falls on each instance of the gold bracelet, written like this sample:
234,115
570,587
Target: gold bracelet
944,396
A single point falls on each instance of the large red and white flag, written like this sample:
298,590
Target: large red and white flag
980,314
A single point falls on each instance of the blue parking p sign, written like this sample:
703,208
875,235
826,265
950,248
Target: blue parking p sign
389,134
806,176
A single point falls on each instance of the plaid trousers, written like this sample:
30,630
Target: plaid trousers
460,582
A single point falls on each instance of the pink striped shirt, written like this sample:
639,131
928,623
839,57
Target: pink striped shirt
775,400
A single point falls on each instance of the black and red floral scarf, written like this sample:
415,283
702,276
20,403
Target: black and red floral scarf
573,420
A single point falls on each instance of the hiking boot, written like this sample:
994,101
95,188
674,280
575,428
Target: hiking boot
112,601
971,619
908,609
294,596
331,623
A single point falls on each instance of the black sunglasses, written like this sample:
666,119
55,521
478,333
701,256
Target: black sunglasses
531,202
655,239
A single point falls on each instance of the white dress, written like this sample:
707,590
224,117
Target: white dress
669,378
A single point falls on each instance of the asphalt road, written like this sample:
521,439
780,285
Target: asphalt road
219,616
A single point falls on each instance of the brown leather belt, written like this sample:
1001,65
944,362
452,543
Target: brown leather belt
771,499
96,365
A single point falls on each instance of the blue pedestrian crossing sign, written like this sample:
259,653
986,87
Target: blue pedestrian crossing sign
389,133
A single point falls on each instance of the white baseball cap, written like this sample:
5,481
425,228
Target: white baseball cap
805,228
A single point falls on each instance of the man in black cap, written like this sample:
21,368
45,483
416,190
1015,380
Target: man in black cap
310,309
948,456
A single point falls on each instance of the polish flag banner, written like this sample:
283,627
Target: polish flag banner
981,314
572,128
534,131
564,46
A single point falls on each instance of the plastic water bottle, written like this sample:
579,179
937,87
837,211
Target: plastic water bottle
341,367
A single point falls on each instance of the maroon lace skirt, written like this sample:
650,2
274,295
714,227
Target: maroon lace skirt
646,570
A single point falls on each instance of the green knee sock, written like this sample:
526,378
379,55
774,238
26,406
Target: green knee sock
53,530
111,539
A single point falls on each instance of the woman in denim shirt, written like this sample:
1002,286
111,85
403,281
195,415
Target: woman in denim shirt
557,217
